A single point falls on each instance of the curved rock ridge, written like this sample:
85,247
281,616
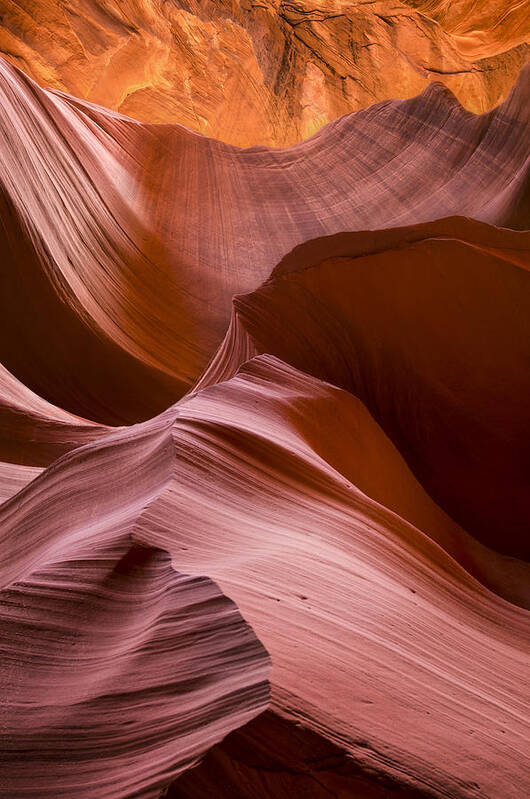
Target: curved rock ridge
264,407
14,476
430,330
118,674
117,671
103,226
285,491
35,433
268,72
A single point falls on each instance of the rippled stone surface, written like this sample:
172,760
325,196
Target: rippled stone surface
264,415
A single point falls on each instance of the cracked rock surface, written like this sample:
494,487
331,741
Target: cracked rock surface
264,72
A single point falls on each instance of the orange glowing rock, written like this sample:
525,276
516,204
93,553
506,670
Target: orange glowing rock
270,72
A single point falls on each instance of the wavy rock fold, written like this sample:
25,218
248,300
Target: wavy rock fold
264,423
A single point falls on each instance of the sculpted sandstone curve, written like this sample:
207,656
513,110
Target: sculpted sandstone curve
264,413
133,238
426,326
117,671
239,482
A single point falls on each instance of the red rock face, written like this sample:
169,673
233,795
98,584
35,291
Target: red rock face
146,232
268,72
264,422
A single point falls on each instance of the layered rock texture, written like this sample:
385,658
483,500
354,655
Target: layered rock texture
264,421
268,72
135,237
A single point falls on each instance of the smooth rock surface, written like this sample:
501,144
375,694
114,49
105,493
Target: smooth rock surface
133,238
264,423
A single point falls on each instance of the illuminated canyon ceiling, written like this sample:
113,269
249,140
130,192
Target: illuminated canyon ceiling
267,72
264,399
